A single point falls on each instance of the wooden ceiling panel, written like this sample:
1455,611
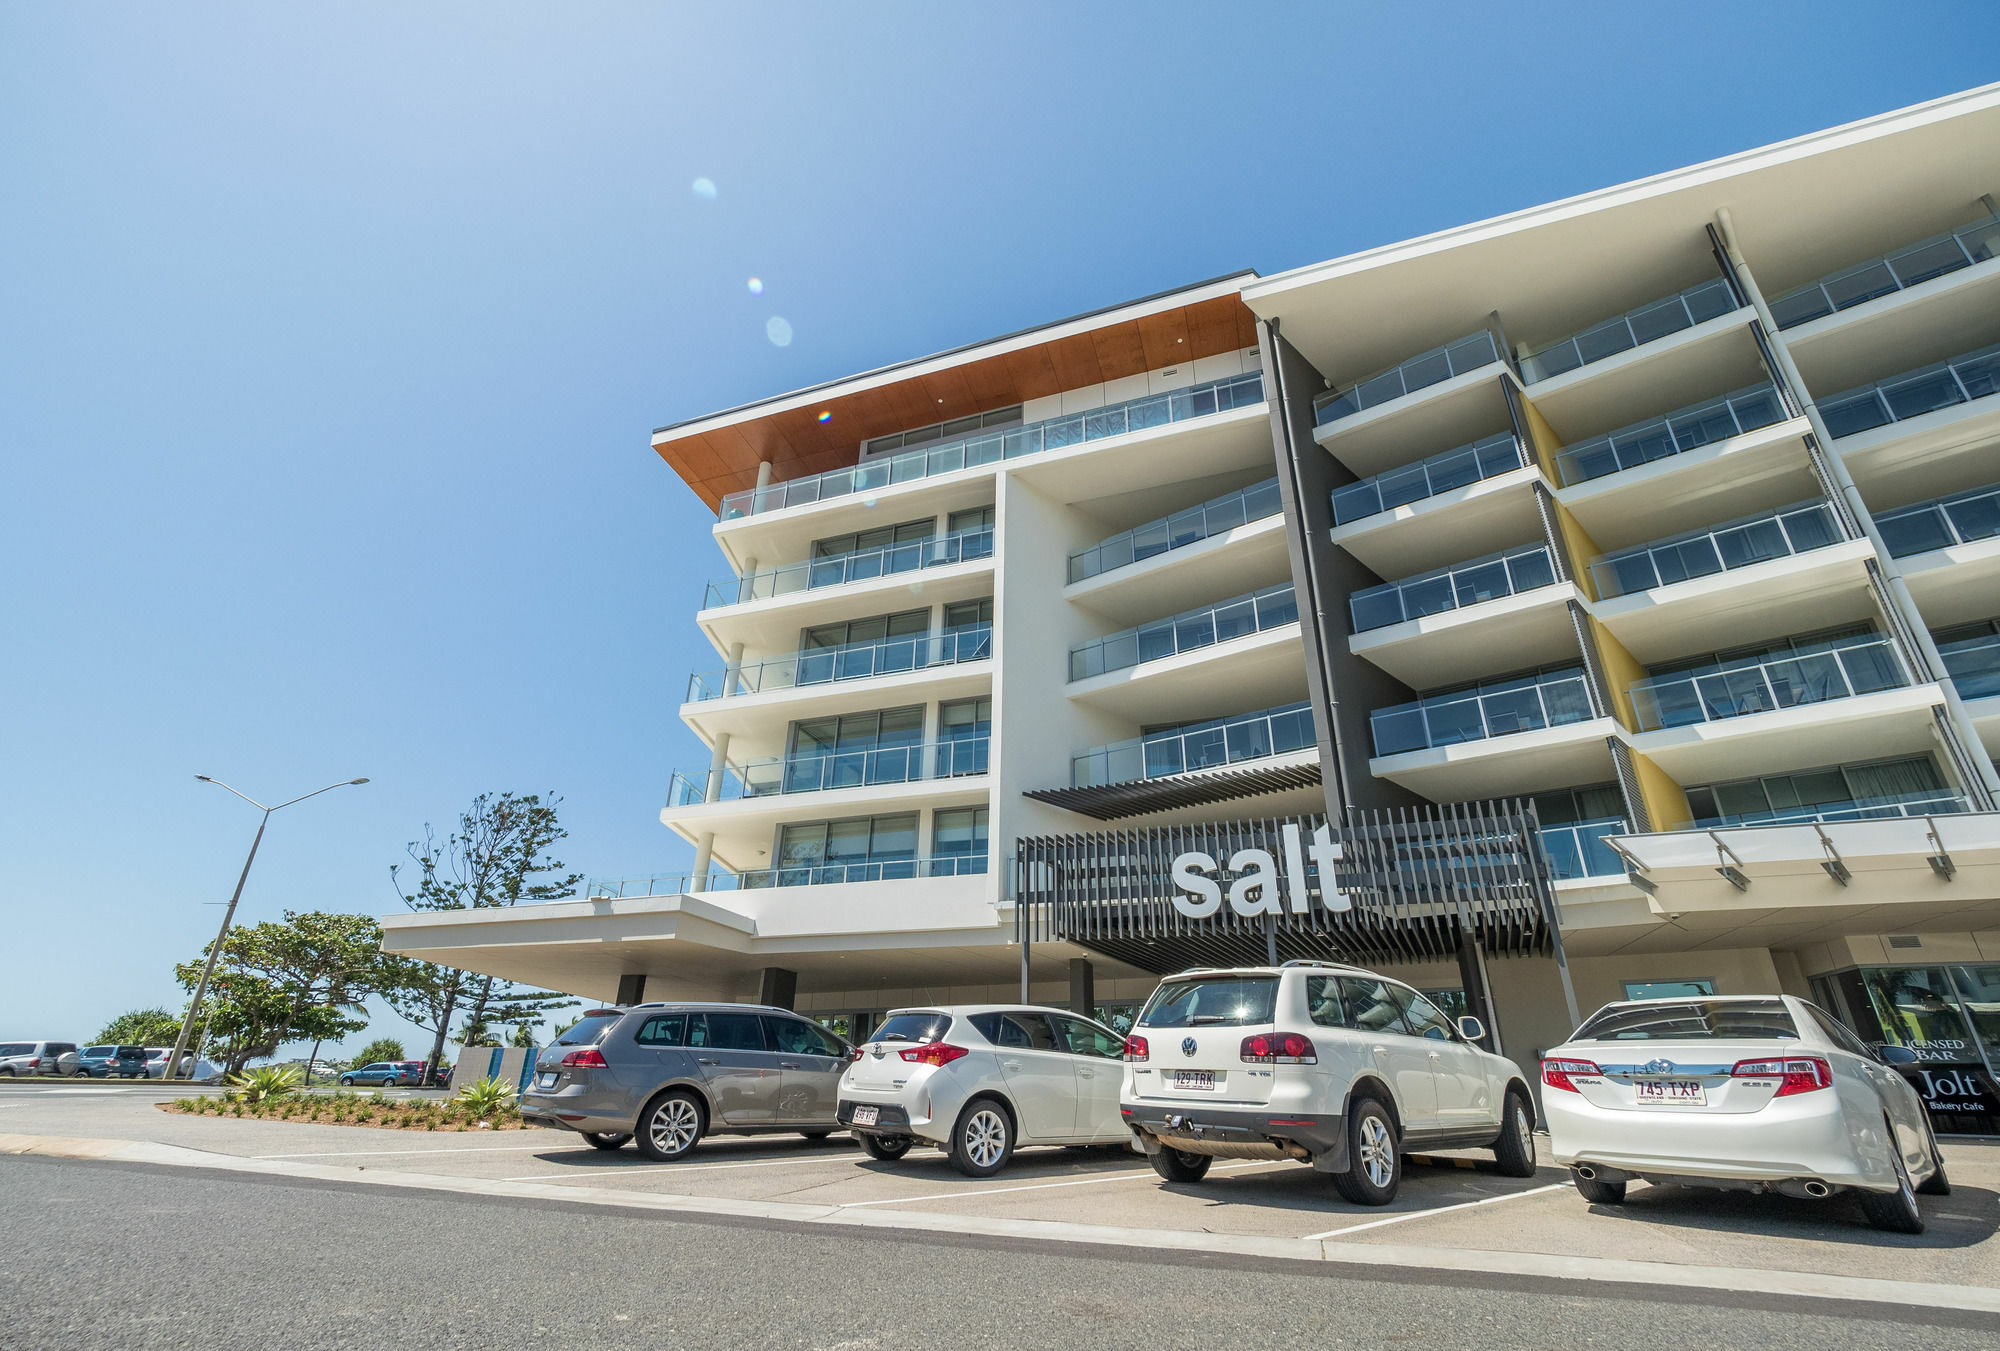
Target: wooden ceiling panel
1075,359
1032,372
1212,328
1119,351
1164,337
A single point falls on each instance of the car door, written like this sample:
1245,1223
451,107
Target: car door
1373,1010
1038,1074
810,1061
737,1065
1464,1095
1098,1061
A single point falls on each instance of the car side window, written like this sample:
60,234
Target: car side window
735,1031
666,1029
1370,1007
1420,1015
1838,1034
1028,1031
1323,1002
794,1037
1084,1038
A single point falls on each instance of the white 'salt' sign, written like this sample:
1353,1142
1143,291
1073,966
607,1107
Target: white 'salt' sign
1198,895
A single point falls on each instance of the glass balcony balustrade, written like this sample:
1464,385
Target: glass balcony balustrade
855,661
963,546
1959,380
1702,553
1907,266
1930,802
1154,410
1254,503
1419,372
1578,848
874,870
1973,665
1839,671
865,768
1493,709
1678,432
1488,458
1962,518
1226,741
1634,328
1186,632
1453,588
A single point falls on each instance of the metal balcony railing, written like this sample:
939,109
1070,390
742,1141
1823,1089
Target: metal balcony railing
864,768
1678,432
1186,632
1702,553
1495,455
655,884
1254,503
1634,328
856,661
1155,410
1959,380
1962,518
1419,372
1932,802
1973,665
961,546
1488,578
1835,672
872,870
1913,263
1228,741
1499,708
1578,848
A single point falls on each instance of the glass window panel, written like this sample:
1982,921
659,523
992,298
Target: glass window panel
1710,302
1976,518
1201,630
1860,284
1871,668
1357,500
1980,375
1475,584
1528,571
1913,397
1277,607
1454,721
1856,413
1369,1006
1605,340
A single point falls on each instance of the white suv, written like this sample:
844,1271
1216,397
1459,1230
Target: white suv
1331,1065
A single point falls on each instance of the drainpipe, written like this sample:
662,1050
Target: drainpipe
1986,791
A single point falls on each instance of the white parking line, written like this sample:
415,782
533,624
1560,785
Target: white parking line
345,1153
1041,1186
672,1168
1441,1210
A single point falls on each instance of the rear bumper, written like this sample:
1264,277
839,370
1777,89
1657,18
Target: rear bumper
555,1112
1219,1132
1768,1146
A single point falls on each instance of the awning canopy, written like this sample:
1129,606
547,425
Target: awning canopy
1141,797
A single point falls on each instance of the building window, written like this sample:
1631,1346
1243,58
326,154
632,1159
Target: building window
1667,989
965,730
966,613
1841,792
941,431
1947,1016
855,749
910,623
972,518
834,561
958,842
861,849
968,630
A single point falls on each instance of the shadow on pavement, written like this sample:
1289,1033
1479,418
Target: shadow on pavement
1964,1219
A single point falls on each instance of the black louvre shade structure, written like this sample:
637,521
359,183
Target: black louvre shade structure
1421,883
1137,797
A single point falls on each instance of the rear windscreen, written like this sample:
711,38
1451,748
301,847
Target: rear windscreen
1691,1020
17,1048
588,1031
1220,1001
912,1027
92,1050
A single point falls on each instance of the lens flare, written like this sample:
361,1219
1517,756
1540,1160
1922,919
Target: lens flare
756,285
826,415
704,188
779,330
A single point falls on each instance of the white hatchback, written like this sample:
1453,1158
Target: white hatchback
981,1080
1750,1093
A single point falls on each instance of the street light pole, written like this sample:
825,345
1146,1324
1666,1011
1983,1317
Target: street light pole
215,952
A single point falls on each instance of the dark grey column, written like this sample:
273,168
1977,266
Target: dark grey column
632,988
1082,986
779,988
1472,978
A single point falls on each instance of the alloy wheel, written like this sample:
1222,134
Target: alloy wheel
1523,1131
1378,1151
985,1137
673,1127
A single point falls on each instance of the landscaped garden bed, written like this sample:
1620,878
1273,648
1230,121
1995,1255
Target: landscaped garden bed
266,1095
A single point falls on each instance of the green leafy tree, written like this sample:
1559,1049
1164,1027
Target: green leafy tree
382,1048
425,994
524,1036
142,1027
292,980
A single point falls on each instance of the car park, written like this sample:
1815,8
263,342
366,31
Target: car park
1749,1093
979,1081
112,1062
384,1074
1330,1065
669,1075
22,1059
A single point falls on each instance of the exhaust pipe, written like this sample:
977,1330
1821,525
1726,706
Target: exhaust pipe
1586,1172
1818,1190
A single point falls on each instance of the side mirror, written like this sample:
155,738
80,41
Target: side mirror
1471,1028
1898,1055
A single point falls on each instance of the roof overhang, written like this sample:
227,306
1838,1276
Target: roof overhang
1140,797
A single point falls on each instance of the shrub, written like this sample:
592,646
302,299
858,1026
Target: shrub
265,1085
485,1098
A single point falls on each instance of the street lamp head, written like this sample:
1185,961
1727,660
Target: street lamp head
357,780
204,778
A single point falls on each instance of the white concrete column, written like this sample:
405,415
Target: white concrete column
763,473
704,847
711,790
733,670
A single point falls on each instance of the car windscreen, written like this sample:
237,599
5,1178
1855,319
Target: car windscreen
589,1030
1212,1001
912,1027
1691,1020
17,1048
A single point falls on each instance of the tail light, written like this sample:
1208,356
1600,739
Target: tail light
1556,1073
1796,1074
1136,1048
592,1059
853,1055
34,1062
936,1054
1279,1048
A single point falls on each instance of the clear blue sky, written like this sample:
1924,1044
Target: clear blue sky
331,338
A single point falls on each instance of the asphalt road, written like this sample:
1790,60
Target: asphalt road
86,1248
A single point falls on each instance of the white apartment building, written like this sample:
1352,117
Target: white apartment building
1672,510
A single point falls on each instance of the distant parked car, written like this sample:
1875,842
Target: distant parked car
24,1059
200,1071
386,1074
112,1062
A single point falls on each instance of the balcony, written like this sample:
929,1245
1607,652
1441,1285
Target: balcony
857,661
874,870
1908,266
1733,691
1495,709
1482,579
1225,513
987,448
1737,414
1519,735
1578,849
1475,499
1456,468
1740,544
1634,328
1224,742
1239,651
1913,394
1419,372
1940,802
874,767
1500,613
1186,632
1964,518
1974,666
964,546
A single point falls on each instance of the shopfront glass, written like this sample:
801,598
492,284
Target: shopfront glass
1947,1016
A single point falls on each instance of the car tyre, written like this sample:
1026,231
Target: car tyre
1514,1151
887,1148
1597,1191
670,1126
1374,1162
1937,1184
1176,1166
983,1139
607,1139
346,1082
80,1074
1894,1212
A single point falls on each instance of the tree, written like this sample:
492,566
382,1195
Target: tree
425,994
142,1027
382,1048
498,856
285,981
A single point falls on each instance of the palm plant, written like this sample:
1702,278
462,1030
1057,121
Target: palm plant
486,1097
269,1084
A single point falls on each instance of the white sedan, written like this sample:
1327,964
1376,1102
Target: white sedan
979,1080
1750,1093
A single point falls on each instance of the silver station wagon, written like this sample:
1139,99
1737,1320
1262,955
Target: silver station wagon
666,1075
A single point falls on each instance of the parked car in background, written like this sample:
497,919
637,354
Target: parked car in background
1747,1093
22,1059
666,1075
1331,1065
112,1062
979,1081
385,1074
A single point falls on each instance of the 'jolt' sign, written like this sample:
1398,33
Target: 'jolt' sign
1255,890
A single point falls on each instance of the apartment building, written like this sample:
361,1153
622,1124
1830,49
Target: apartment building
1672,511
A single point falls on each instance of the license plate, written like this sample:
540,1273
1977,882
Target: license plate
1669,1093
867,1116
1195,1079
546,1079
